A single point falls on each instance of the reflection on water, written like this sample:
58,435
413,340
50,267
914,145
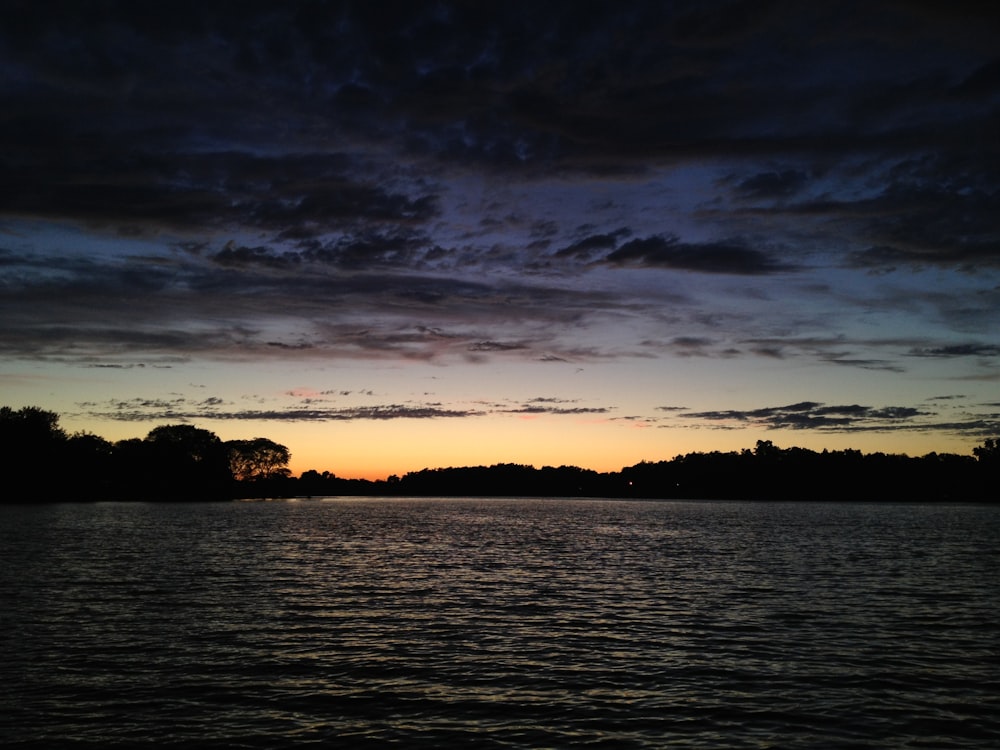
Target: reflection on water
500,623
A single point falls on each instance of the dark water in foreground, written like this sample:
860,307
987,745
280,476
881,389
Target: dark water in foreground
500,623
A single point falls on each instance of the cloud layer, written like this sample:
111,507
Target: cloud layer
937,414
739,185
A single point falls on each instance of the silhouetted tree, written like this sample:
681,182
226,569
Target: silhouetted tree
257,459
988,462
31,444
312,484
132,462
88,466
192,463
182,462
766,449
988,452
30,425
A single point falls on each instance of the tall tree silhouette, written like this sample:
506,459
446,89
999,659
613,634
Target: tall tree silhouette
88,466
31,445
257,459
189,463
989,452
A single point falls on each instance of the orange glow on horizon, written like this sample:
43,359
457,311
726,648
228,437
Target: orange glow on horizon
602,448
377,449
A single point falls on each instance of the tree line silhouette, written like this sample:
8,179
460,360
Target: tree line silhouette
173,462
183,462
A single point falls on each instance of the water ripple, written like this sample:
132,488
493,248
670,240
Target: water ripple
501,623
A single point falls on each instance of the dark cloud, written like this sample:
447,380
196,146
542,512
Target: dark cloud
301,119
864,364
885,257
803,415
290,196
368,180
504,85
593,244
983,81
812,415
931,210
233,255
835,350
309,409
772,184
223,306
182,410
544,406
117,366
958,350
494,346
543,410
709,257
355,252
691,342
773,352
693,346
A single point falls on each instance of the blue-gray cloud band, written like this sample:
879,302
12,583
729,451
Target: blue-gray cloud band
293,170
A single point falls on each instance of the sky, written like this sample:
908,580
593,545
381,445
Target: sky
399,235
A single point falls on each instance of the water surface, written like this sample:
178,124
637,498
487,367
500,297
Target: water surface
500,623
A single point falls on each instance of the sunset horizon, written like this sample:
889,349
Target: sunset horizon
347,464
462,234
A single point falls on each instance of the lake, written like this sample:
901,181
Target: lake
500,623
